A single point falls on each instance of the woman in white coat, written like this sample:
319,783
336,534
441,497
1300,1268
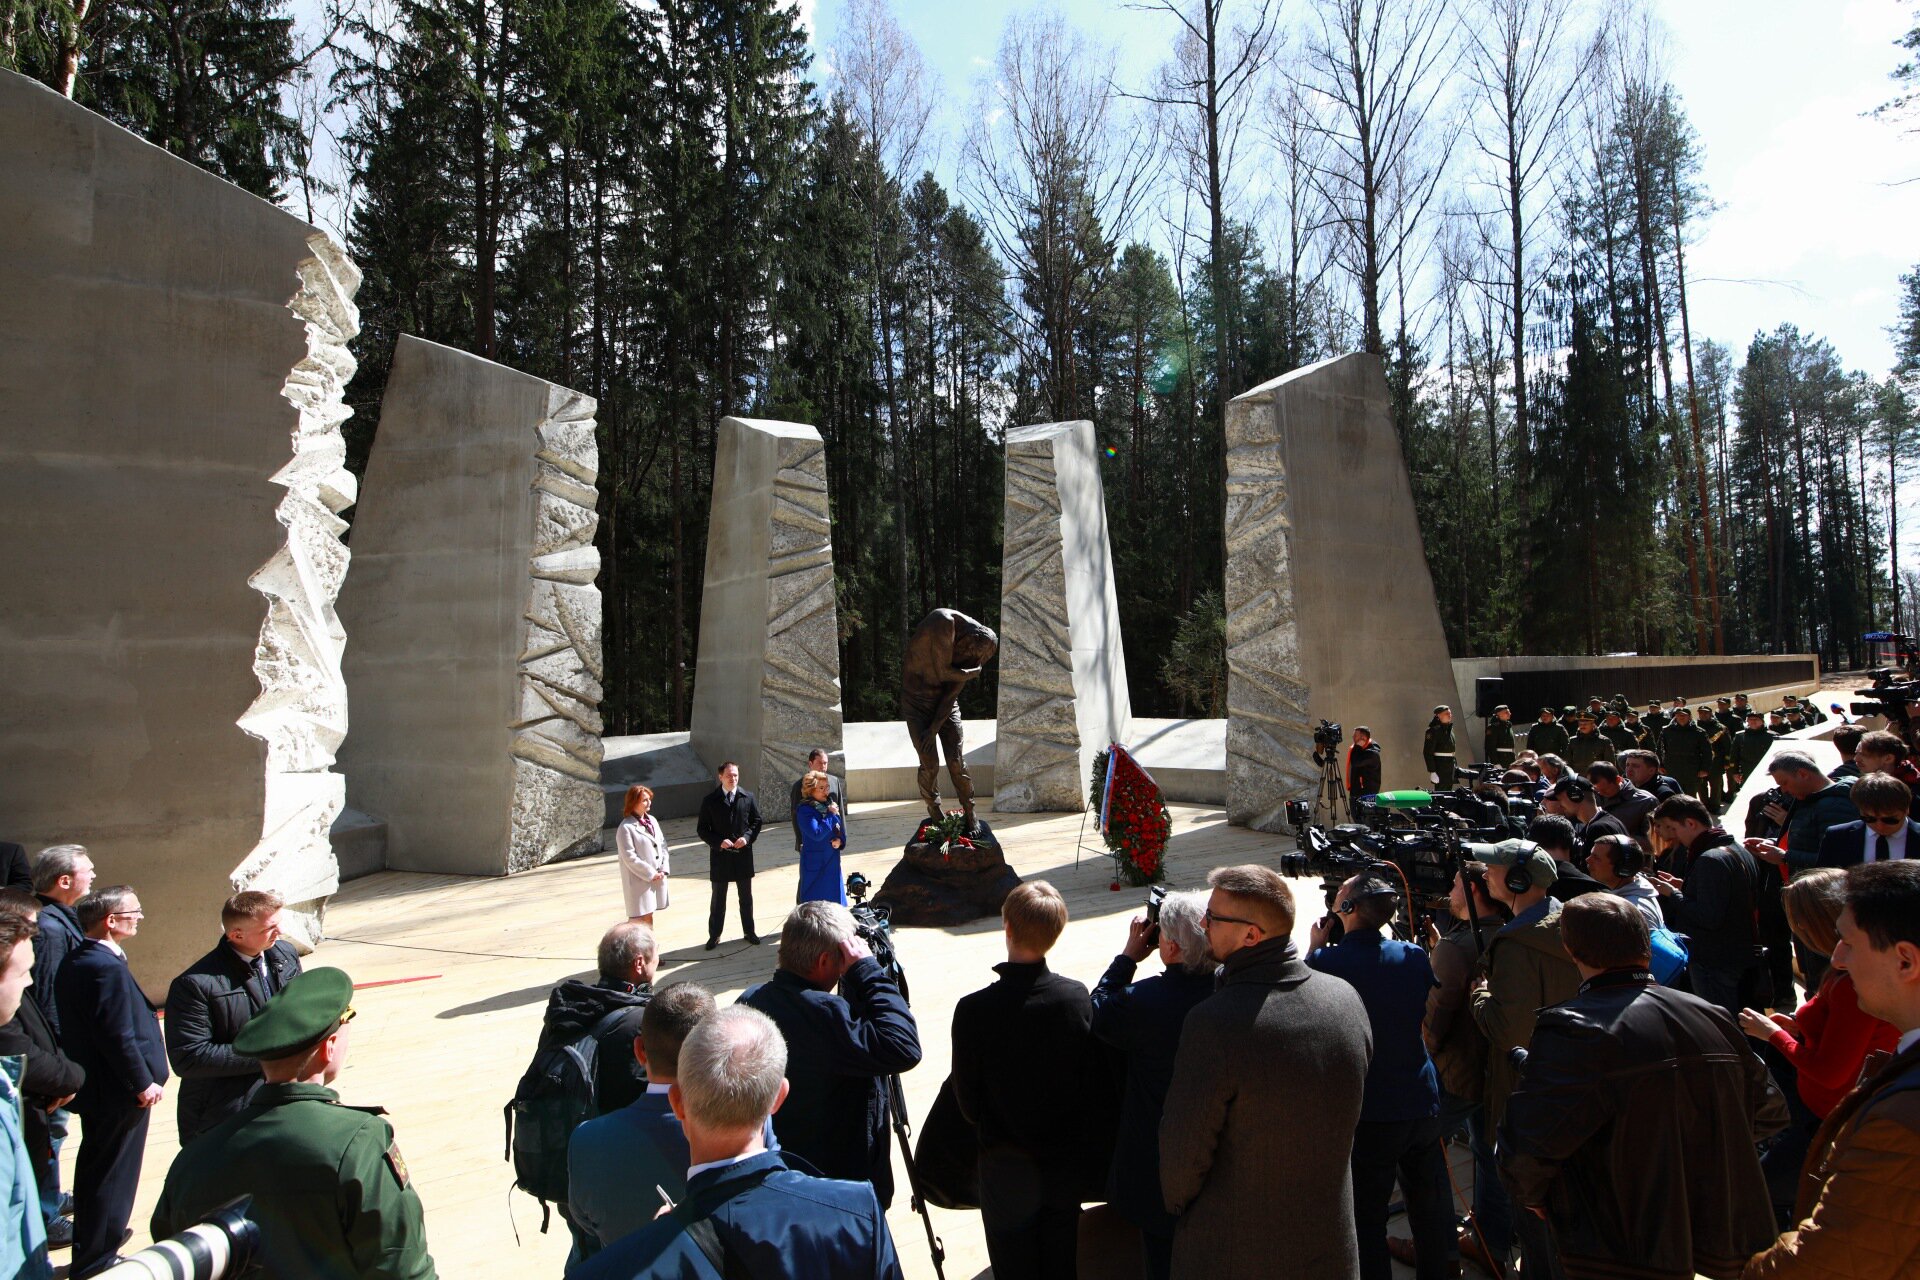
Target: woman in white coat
643,856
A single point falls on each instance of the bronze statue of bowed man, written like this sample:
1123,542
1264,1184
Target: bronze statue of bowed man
945,651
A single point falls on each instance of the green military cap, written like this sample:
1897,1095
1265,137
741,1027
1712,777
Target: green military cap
305,1012
1756,714
1725,702
1502,707
1566,711
1442,707
1585,717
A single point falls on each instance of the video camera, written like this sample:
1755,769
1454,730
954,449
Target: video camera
1326,734
1413,837
875,926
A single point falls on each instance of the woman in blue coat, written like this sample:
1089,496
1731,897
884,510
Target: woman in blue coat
822,836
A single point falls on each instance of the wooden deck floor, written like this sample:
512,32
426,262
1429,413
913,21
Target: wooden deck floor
468,963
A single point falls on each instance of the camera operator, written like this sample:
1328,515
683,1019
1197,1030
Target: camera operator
1631,806
1459,1053
840,1048
1399,1131
1554,833
1714,901
1525,970
1143,1020
1363,763
1438,750
1814,803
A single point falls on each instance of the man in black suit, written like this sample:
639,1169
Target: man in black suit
62,875
209,1003
1029,1141
107,1027
14,871
816,763
1884,833
730,823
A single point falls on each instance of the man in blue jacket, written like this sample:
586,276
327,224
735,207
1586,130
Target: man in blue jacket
840,1048
1398,1136
108,1028
746,1213
615,1162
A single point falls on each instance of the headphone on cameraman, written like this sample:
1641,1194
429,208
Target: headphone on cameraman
1374,884
1629,859
1517,878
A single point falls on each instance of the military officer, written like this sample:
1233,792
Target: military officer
1643,739
330,1191
1614,730
1730,720
1546,736
1438,750
1587,746
1810,713
1750,747
1655,719
1499,737
1721,743
1687,753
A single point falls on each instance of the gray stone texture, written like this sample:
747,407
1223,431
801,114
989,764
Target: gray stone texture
768,683
474,667
1330,608
172,357
1063,673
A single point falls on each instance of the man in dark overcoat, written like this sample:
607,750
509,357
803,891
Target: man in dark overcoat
730,823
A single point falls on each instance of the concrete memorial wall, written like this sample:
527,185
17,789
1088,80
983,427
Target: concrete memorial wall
474,664
1330,608
173,353
768,684
1062,669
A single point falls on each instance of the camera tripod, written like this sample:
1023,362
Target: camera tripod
1332,798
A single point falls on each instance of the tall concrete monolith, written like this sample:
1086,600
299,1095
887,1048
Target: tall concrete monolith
1330,607
474,667
173,353
1062,670
768,685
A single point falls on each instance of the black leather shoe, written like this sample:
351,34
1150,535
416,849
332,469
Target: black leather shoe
712,943
753,939
60,1233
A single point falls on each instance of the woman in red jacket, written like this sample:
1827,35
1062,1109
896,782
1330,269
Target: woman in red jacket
1826,1042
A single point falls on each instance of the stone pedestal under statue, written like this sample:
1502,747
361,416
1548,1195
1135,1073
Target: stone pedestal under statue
952,883
1063,672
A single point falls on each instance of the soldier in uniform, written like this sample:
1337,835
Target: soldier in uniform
1808,710
1499,738
1439,751
1546,736
1777,722
1587,746
1721,743
1687,754
1655,719
330,1191
1616,732
1730,720
1643,739
1750,747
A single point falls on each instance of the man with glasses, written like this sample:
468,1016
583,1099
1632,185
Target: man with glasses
1884,833
108,1028
1266,1093
331,1191
209,1003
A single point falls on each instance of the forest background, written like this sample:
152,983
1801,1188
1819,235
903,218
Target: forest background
676,208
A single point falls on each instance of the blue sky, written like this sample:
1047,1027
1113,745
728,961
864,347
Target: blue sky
1812,228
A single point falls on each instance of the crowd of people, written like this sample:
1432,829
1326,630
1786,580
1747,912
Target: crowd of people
1608,1018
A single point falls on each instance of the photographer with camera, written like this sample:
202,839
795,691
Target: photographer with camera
1022,1069
1398,1136
1142,1020
840,1048
1438,750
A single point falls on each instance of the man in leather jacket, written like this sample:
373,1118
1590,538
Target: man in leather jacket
1633,1125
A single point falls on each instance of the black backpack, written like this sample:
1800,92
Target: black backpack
554,1097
